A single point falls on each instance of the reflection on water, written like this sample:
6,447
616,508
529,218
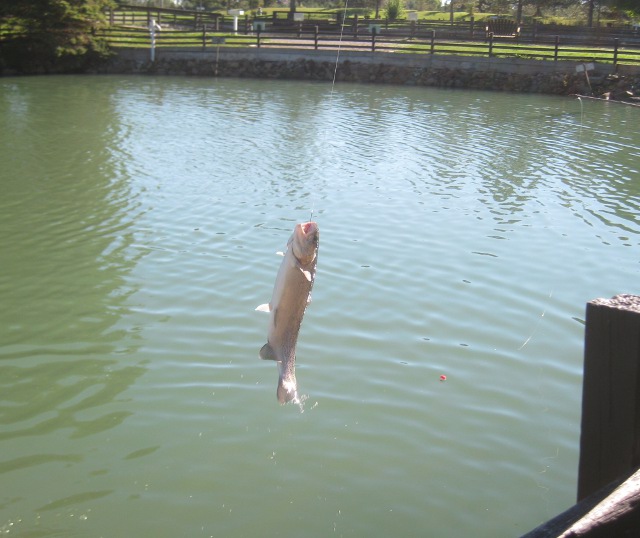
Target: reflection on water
462,234
67,212
55,395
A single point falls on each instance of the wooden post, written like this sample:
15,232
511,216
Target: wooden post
204,37
258,34
373,38
555,51
433,41
616,42
610,435
315,37
355,26
490,44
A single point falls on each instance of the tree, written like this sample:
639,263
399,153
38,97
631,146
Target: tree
632,6
52,34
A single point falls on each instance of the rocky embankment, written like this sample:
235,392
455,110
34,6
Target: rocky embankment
615,87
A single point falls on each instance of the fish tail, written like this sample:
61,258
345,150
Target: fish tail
287,390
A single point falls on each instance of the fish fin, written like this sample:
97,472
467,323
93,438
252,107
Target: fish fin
309,299
264,308
307,274
267,353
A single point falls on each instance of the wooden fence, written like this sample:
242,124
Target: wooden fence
464,28
373,38
177,29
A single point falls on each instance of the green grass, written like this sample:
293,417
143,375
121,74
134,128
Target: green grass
120,36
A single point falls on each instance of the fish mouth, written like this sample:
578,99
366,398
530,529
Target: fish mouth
308,227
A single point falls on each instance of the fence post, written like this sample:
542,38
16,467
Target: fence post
204,37
355,26
315,37
610,430
472,23
258,35
490,44
616,42
555,52
373,38
433,41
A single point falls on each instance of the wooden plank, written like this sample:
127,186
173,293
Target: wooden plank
618,515
611,512
556,526
610,436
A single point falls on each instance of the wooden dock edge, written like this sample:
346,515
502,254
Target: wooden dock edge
613,511
609,470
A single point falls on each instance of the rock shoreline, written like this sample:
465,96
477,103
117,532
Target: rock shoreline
493,76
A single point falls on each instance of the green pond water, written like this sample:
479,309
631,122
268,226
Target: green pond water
461,234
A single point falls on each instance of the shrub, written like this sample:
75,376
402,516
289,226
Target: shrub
395,9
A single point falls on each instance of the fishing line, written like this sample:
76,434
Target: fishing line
581,117
333,81
335,70
547,459
535,329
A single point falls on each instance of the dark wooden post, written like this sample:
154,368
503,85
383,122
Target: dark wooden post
616,42
258,28
555,51
610,436
315,37
355,26
490,44
433,41
373,38
204,37
472,24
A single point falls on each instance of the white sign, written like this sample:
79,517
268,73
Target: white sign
585,67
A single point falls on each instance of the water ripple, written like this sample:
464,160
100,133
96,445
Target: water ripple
461,235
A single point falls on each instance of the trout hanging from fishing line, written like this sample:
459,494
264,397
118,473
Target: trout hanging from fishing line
291,294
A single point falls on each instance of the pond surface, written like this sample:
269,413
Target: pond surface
461,234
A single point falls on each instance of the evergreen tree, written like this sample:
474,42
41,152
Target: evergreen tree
43,35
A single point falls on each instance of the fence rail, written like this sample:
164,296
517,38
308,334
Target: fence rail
177,29
368,39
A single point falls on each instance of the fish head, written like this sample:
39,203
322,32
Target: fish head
306,237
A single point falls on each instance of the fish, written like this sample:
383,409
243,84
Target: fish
289,300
